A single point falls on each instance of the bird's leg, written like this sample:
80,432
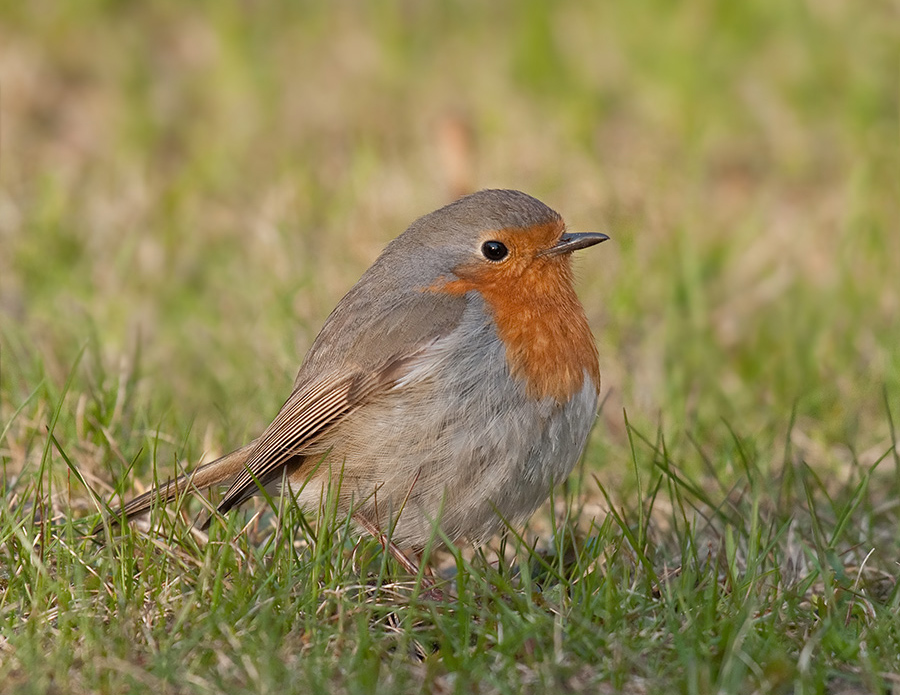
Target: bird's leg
405,561
411,565
430,590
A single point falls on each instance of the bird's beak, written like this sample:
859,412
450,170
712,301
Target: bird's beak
572,241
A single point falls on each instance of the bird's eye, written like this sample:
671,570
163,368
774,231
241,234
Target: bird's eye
494,250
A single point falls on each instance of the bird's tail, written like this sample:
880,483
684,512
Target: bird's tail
219,472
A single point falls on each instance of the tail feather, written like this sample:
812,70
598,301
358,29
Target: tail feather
219,472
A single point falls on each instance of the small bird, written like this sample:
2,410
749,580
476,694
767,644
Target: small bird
450,389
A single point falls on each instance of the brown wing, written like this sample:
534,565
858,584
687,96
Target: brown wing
381,331
307,414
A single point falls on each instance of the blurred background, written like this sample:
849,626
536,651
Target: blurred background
186,190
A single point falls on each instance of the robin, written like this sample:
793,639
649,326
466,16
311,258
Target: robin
453,385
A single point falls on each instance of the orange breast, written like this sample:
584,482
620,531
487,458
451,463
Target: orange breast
540,320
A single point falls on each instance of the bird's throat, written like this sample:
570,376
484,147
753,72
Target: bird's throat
549,345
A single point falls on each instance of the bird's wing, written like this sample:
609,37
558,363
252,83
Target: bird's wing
308,413
365,347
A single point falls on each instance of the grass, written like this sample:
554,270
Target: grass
186,192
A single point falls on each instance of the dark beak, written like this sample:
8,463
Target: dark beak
572,241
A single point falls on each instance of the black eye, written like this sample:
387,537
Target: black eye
494,250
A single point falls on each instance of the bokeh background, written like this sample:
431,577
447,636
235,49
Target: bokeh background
187,189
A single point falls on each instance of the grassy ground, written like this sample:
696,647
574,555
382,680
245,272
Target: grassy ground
185,192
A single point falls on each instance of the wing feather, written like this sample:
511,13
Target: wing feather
308,413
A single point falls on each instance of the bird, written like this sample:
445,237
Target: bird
446,394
